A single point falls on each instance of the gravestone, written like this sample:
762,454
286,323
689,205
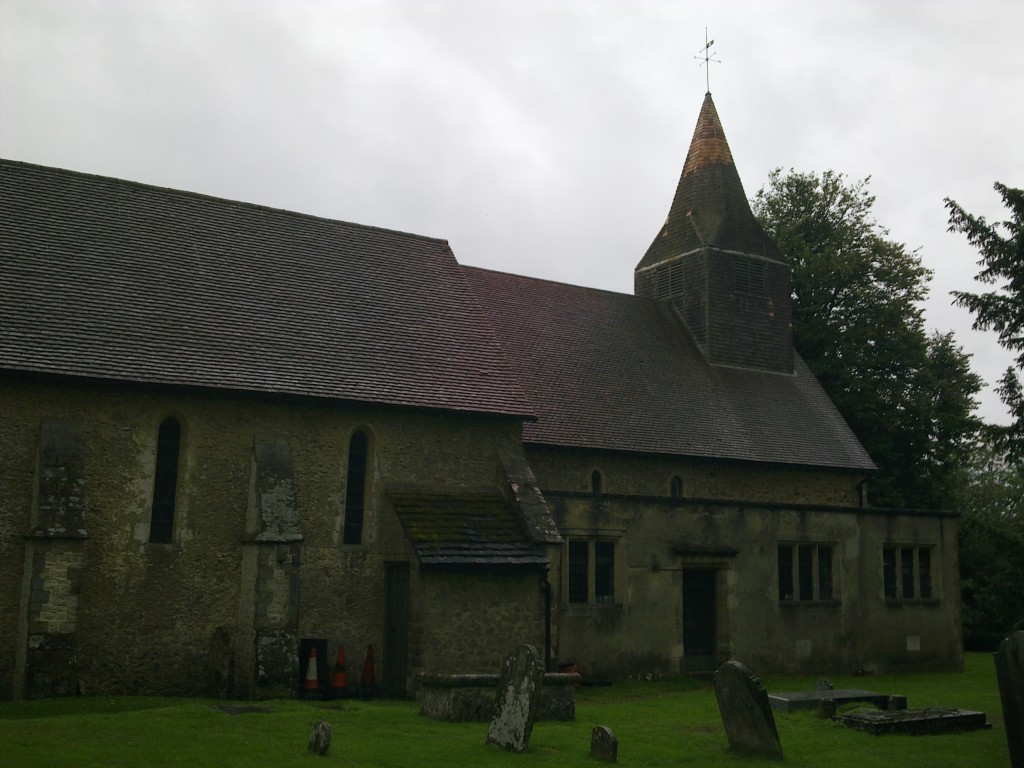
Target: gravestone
746,714
824,684
517,700
320,738
1010,673
604,744
826,709
788,701
917,722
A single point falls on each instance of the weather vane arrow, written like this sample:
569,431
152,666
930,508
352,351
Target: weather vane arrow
706,58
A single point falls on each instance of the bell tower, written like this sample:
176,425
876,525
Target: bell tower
716,265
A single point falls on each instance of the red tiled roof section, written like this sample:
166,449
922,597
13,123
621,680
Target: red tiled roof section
708,145
618,372
710,208
114,280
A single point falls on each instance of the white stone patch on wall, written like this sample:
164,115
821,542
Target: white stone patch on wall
278,592
336,503
60,612
277,506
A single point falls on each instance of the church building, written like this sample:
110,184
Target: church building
230,434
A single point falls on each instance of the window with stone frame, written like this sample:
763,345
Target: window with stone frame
590,570
806,572
596,482
907,573
355,488
675,487
165,481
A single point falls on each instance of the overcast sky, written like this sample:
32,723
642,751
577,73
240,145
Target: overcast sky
540,138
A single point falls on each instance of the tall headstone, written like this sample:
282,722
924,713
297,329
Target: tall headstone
746,713
517,700
1010,673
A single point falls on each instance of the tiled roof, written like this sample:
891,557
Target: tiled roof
465,530
709,207
110,279
617,372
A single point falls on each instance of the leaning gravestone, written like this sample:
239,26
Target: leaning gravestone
516,700
746,714
1010,673
604,744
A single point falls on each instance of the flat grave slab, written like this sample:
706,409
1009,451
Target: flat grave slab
918,722
789,701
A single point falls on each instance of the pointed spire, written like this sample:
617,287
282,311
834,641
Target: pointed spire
716,266
710,207
708,145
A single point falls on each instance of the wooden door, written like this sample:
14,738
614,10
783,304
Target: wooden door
699,619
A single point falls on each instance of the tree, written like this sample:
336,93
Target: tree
990,497
858,323
1001,309
949,430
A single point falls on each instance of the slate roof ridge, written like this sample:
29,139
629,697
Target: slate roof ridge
185,193
556,283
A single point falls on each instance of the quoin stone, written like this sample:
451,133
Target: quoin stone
1010,673
517,700
746,714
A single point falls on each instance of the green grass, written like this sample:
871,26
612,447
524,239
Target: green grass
662,723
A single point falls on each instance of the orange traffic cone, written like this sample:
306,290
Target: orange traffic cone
311,685
339,682
368,682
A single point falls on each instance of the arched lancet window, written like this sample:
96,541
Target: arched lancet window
596,481
675,487
165,483
355,489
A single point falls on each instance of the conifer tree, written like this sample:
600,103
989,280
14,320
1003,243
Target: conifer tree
1001,249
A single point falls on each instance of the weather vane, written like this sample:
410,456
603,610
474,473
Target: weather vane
706,58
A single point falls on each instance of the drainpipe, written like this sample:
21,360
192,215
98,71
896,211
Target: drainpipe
546,586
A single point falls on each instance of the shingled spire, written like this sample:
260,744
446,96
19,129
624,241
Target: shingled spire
716,264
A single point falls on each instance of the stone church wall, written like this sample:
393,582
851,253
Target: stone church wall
568,470
658,540
472,621
109,611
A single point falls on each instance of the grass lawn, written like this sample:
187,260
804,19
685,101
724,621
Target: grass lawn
663,723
